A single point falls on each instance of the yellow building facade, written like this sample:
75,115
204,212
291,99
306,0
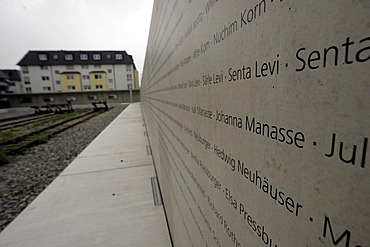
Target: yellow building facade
98,80
71,81
136,80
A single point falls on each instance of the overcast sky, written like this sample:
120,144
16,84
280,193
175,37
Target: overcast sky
73,25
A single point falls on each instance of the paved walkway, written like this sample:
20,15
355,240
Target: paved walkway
103,198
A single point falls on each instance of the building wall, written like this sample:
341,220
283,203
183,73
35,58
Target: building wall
71,81
14,87
121,76
99,81
13,81
115,77
35,75
136,79
258,118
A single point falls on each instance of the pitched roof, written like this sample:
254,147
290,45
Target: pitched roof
43,58
13,74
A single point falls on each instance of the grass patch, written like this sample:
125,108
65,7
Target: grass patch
6,135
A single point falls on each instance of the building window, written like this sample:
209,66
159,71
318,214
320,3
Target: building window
109,56
97,77
128,67
70,67
68,57
28,90
84,66
43,57
110,80
43,67
25,70
119,56
45,78
46,88
84,57
27,80
129,77
57,72
98,86
70,77
92,97
71,88
96,56
129,86
87,87
85,77
97,66
109,71
55,56
57,82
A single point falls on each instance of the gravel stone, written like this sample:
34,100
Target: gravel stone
29,174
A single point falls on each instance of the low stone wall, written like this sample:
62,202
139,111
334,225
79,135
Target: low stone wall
77,98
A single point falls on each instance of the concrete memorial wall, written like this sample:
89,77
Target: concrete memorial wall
258,115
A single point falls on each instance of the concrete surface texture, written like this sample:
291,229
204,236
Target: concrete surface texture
103,198
258,117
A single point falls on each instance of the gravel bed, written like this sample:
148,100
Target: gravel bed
29,174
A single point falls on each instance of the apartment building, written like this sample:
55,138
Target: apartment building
12,80
77,71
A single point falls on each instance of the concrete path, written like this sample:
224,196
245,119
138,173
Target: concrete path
103,198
